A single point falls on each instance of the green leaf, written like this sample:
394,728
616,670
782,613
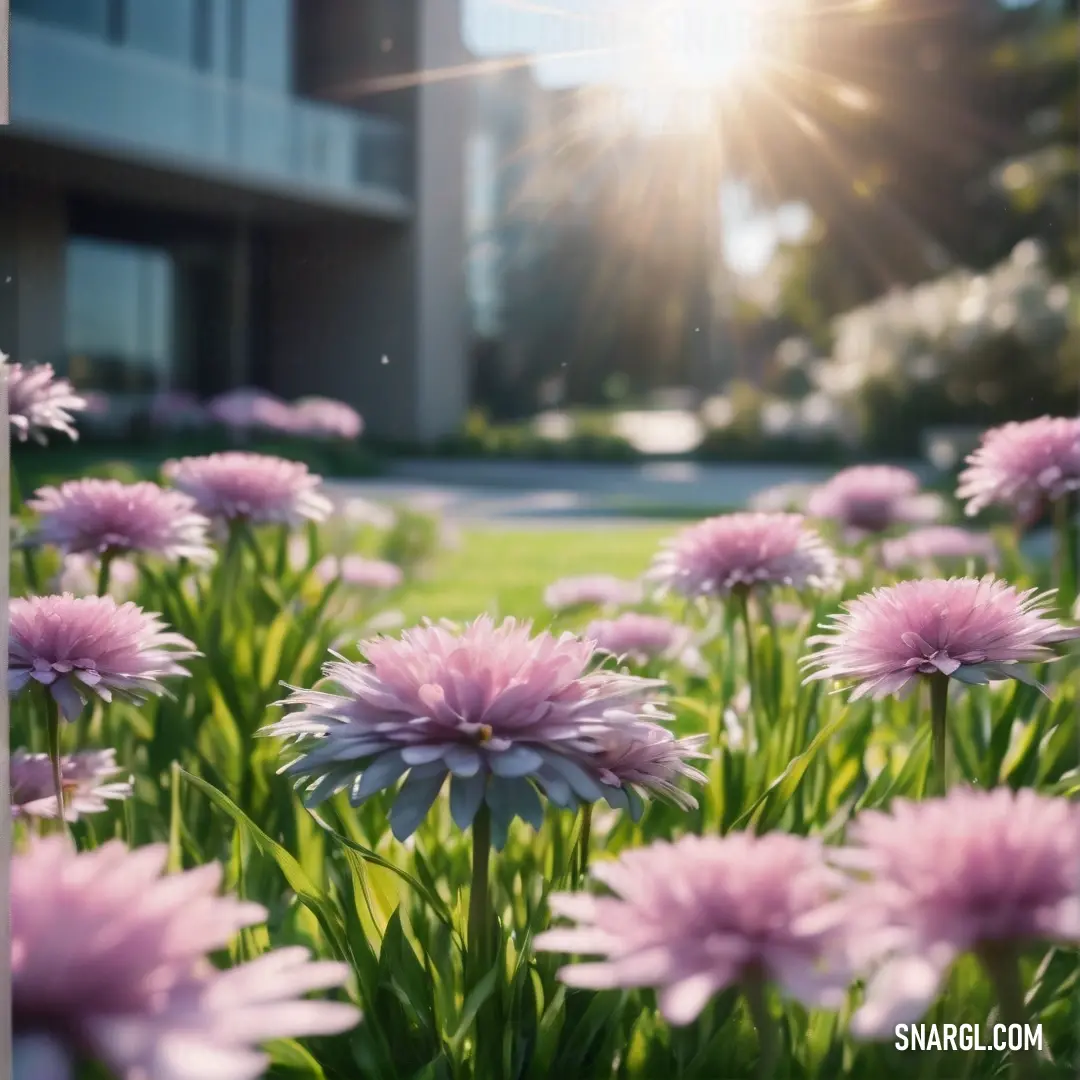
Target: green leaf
473,1003
779,793
289,1054
306,890
272,646
582,1038
398,965
433,900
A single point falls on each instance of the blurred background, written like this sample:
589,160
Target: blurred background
729,230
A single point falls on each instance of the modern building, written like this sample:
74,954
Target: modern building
509,145
205,194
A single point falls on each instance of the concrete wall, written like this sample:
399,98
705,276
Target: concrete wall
342,299
33,237
330,299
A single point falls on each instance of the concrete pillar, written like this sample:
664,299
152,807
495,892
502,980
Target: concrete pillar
376,314
33,270
441,287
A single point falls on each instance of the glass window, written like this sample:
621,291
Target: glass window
86,16
163,27
266,53
119,330
218,29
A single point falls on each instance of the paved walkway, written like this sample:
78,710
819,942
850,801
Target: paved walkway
568,495
572,495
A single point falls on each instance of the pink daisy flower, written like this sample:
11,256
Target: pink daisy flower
79,576
592,590
873,498
696,916
649,761
360,572
109,964
247,408
1023,466
744,551
642,639
983,872
77,647
320,417
251,487
177,410
970,629
39,402
939,545
502,713
106,517
88,779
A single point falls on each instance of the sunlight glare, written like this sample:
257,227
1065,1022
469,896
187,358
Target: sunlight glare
672,52
685,44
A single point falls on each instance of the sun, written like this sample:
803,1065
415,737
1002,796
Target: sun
675,55
693,44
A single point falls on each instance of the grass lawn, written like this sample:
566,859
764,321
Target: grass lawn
505,572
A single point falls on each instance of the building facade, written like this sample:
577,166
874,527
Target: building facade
205,194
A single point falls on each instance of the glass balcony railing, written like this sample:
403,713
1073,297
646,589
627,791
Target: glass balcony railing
66,85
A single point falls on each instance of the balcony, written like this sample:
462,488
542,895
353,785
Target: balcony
72,89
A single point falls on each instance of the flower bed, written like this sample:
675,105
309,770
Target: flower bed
498,850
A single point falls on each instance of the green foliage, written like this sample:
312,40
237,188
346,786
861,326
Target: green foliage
802,760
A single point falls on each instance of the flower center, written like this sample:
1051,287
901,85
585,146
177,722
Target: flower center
485,733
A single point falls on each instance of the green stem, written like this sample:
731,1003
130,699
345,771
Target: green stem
15,503
103,572
231,564
939,707
586,838
52,726
768,1034
479,899
479,961
30,567
256,550
1003,968
742,598
1064,574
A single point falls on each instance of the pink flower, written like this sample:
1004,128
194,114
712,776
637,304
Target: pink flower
251,487
973,630
975,872
360,572
644,638
693,917
592,590
79,575
362,512
785,613
109,962
1023,466
873,498
88,779
80,646
320,417
177,409
746,550
502,713
649,761
39,402
99,517
939,545
96,403
780,498
247,408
